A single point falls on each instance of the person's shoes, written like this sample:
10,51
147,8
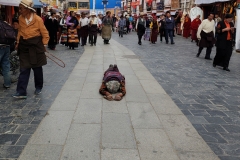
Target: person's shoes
19,96
82,45
91,45
38,91
208,58
226,69
121,35
214,65
6,87
198,55
115,66
166,42
94,44
172,43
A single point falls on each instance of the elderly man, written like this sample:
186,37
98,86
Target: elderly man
205,34
113,83
31,41
140,27
93,26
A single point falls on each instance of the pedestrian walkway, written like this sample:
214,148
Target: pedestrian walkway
146,124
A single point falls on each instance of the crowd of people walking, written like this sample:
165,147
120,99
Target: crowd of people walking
33,33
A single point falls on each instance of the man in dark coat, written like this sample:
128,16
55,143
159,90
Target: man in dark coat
52,26
169,27
140,27
225,30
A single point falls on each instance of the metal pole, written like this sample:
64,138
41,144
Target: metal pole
94,3
185,1
56,2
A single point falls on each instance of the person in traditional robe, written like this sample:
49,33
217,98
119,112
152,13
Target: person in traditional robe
225,30
72,32
154,30
140,27
194,27
186,26
52,26
93,26
107,24
205,34
84,29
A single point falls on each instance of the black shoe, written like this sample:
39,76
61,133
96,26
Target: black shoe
166,42
91,45
172,43
121,35
115,66
19,96
6,87
208,58
198,55
82,45
226,69
38,91
214,65
94,44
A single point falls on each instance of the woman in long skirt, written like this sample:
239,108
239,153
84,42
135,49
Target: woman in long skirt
225,30
155,30
187,26
194,27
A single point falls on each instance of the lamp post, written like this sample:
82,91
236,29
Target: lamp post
104,2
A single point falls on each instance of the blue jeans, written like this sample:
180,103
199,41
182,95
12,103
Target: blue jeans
169,33
5,64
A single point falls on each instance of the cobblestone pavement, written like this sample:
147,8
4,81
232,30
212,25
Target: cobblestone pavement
209,97
20,118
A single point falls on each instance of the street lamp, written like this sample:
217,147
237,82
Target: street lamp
104,2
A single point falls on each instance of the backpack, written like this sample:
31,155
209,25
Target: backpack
7,33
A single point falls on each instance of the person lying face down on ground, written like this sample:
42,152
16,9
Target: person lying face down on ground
113,83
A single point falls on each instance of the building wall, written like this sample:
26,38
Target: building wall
111,4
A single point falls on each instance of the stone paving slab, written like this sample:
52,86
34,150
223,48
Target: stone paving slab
137,127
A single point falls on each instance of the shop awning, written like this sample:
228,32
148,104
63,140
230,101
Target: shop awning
209,1
10,2
37,4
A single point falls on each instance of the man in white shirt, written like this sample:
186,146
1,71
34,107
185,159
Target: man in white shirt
93,26
84,29
206,36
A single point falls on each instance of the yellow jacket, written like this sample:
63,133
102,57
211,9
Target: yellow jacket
34,29
151,26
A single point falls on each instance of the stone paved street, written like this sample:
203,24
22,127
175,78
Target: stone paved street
145,124
209,97
20,118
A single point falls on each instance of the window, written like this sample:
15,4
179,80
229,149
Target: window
83,5
72,5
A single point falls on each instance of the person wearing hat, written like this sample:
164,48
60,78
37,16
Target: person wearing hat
107,24
84,29
31,40
225,30
93,26
140,27
52,26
